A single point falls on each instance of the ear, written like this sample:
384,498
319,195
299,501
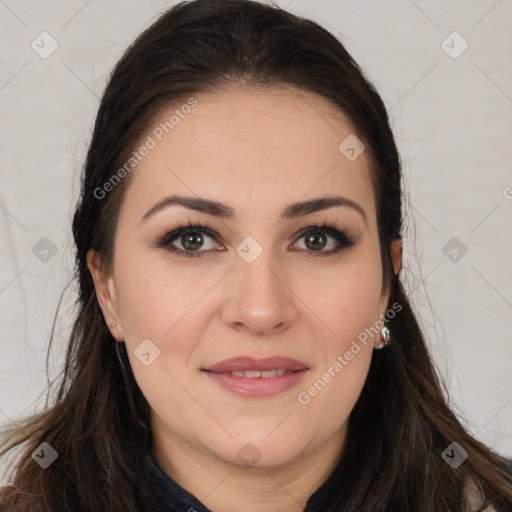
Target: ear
106,294
396,258
396,254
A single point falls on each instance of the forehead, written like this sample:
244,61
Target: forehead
250,147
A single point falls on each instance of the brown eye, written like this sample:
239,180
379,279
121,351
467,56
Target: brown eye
316,241
318,238
188,240
192,241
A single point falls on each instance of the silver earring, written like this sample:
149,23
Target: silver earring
113,325
385,336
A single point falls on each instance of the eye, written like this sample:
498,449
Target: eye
316,238
188,240
190,237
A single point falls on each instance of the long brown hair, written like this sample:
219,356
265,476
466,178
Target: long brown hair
98,422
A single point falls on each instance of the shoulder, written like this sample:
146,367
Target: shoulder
475,497
474,494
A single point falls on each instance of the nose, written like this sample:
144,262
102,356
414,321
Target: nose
259,297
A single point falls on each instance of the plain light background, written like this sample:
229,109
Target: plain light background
452,117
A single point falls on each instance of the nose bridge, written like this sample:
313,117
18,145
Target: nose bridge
258,296
259,276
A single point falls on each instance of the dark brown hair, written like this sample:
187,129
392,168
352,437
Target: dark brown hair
98,422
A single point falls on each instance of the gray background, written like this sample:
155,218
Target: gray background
452,120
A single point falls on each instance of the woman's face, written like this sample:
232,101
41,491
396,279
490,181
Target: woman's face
260,283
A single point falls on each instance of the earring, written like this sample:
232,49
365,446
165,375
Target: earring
113,325
384,332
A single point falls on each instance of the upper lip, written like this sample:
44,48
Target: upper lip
243,363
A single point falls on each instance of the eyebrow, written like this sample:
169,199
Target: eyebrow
224,211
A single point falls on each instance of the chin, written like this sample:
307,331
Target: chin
260,453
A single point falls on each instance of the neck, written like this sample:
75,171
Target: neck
225,487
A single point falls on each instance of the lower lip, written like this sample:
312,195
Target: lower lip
259,386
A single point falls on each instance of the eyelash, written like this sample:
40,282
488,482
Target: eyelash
344,240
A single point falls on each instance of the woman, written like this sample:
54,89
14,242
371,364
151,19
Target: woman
243,339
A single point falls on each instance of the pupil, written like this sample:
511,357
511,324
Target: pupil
313,238
188,240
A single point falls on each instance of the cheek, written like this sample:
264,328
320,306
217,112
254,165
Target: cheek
339,387
351,299
350,307
337,381
157,303
154,296
164,303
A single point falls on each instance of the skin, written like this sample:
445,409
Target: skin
257,151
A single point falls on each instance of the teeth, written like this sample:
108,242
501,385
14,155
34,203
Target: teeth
265,374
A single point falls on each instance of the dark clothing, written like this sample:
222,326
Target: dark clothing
169,496
174,496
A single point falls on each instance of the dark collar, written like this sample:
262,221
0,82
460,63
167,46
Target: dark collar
174,497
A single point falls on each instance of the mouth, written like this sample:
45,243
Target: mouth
254,374
251,364
249,377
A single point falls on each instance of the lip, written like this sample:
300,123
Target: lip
257,387
242,363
